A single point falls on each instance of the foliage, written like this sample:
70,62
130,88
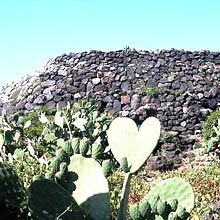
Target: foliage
78,123
12,135
27,167
73,130
149,91
69,141
129,49
207,127
213,143
37,126
79,194
206,185
166,137
152,91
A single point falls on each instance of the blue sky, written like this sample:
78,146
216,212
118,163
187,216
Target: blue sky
33,31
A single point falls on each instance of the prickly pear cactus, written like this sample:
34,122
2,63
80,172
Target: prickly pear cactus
48,200
171,199
175,188
12,191
92,189
126,141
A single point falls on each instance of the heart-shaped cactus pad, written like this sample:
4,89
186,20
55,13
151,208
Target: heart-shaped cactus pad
136,145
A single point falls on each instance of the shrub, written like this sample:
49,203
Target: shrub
37,127
207,127
27,167
149,91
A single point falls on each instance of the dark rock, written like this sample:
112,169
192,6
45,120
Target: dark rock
130,72
135,101
99,88
170,98
37,90
125,86
116,106
108,98
89,87
51,104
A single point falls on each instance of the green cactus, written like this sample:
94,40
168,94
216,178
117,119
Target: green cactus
141,211
174,188
173,198
84,146
48,200
61,174
12,191
182,213
126,141
145,209
60,154
173,204
135,212
97,149
173,216
163,208
124,165
54,165
75,145
132,147
68,149
91,187
107,167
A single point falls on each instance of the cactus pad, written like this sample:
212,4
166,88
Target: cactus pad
12,191
48,200
126,141
92,189
174,188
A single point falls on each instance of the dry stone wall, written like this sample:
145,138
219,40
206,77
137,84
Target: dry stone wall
185,86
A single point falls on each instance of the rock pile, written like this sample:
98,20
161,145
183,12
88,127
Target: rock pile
180,87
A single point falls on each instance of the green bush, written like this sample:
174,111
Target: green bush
37,127
27,167
149,91
207,127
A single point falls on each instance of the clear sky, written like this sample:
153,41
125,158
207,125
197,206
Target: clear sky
33,31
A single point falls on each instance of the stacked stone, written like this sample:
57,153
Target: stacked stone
186,83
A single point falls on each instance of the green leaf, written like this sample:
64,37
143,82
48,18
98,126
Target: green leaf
17,136
30,149
27,124
43,119
58,119
18,154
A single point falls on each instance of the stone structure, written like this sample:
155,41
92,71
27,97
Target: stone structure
180,87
